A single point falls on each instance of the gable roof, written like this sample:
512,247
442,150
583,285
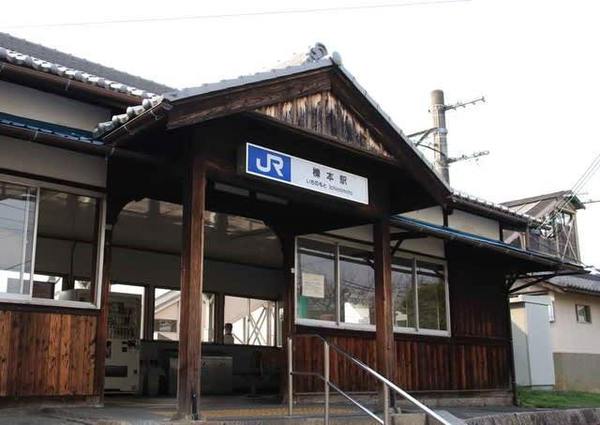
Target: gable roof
24,53
184,107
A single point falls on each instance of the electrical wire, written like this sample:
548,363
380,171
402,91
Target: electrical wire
575,190
237,15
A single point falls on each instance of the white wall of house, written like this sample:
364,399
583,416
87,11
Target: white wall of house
569,336
40,160
474,224
38,105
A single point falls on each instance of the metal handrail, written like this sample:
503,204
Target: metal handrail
387,384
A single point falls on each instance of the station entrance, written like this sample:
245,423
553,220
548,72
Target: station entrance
242,309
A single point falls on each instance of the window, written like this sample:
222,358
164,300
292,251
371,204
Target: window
316,283
584,313
419,289
328,272
357,286
166,315
250,321
403,293
126,311
17,234
431,296
48,245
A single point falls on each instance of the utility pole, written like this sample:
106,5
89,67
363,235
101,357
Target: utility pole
440,133
440,141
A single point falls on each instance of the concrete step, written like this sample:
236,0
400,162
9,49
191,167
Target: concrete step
397,419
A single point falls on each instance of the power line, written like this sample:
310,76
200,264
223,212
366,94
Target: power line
238,15
575,190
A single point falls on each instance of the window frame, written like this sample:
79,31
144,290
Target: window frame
28,299
151,308
277,328
338,324
589,310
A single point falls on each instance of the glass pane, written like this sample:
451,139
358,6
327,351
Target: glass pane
431,295
17,227
316,289
166,314
208,317
403,293
357,279
249,321
126,311
66,246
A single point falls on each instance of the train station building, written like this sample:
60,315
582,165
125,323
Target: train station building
183,243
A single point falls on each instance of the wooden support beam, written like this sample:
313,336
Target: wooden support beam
192,264
384,329
288,244
102,323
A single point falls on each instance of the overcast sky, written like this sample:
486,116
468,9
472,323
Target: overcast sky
535,61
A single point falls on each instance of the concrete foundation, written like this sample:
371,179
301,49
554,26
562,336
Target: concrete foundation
577,372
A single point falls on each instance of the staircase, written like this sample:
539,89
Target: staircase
386,415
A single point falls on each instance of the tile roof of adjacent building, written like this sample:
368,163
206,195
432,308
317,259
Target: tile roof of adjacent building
588,283
560,195
32,55
465,197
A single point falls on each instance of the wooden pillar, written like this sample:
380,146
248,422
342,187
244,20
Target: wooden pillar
386,356
102,323
114,205
288,244
190,309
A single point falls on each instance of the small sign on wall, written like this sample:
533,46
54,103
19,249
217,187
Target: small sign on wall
274,165
313,285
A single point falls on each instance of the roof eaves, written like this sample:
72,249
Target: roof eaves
480,241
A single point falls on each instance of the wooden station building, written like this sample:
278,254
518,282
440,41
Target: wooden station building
277,205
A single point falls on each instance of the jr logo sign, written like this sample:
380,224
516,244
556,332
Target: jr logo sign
268,163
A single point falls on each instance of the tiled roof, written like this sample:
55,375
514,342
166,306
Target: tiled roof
317,57
130,112
585,283
462,196
24,53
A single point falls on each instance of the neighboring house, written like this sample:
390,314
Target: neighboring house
558,317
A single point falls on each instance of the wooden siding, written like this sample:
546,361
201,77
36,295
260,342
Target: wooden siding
46,354
475,357
323,113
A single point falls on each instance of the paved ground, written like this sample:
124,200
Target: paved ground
145,411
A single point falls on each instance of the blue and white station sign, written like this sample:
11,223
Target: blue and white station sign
273,165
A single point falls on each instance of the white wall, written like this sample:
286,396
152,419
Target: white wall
38,105
34,158
534,365
474,224
434,215
569,336
427,246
